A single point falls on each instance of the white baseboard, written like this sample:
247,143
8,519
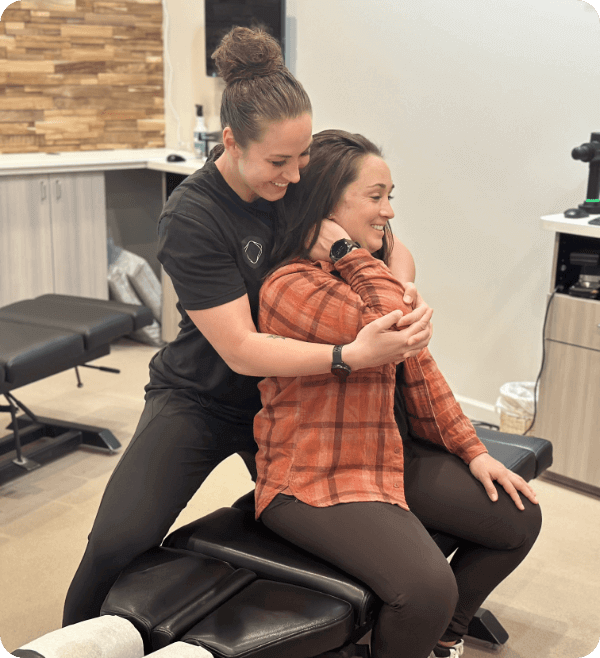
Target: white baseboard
477,410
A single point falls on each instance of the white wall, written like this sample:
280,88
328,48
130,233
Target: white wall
477,106
186,82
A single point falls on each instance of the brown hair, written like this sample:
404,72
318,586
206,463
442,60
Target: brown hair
259,88
335,161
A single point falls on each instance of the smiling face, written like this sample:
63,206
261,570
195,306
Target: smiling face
265,168
364,208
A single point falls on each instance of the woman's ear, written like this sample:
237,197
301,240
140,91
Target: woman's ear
231,146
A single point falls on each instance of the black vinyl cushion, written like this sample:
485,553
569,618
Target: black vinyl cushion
234,536
164,592
141,316
529,456
274,620
30,352
97,324
172,628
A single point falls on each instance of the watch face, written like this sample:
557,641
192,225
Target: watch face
341,371
339,249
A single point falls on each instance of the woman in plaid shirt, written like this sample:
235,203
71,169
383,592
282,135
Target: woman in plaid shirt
353,466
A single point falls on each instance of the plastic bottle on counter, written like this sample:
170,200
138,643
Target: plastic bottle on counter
200,135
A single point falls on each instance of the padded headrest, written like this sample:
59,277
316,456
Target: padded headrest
164,592
275,620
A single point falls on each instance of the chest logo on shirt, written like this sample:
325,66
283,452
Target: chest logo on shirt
253,251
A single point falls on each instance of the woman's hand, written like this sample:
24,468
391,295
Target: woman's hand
411,295
330,232
487,469
402,266
378,342
420,308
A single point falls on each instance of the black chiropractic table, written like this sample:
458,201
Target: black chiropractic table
41,337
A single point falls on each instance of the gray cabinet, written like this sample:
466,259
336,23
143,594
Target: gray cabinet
26,262
568,409
52,236
568,412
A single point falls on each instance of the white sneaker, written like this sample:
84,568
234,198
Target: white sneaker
454,651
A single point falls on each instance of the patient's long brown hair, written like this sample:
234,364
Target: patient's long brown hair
335,160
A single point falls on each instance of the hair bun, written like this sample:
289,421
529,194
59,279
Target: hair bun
245,53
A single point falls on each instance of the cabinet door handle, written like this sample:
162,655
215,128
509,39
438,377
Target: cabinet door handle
43,190
58,189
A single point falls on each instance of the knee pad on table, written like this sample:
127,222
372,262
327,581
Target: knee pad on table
182,650
101,637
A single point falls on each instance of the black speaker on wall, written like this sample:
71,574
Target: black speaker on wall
221,15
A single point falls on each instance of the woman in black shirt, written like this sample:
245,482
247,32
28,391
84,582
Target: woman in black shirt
216,233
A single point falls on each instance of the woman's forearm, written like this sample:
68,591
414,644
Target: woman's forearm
266,355
402,264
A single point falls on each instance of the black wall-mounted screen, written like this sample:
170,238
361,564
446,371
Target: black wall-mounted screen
221,15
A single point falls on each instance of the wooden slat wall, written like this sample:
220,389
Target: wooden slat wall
81,75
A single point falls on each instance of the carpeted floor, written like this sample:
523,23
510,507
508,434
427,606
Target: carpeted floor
550,606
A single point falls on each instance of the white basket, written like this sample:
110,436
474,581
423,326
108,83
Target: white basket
516,407
514,424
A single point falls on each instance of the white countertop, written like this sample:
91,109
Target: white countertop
12,164
561,224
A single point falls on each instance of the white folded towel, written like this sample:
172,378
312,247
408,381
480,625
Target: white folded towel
182,650
102,637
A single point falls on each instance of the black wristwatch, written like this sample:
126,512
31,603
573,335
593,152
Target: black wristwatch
342,248
340,369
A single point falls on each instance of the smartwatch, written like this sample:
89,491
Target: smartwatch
340,369
342,248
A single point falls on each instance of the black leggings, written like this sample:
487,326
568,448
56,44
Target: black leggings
178,442
424,598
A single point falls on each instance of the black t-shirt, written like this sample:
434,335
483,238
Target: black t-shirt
400,412
215,247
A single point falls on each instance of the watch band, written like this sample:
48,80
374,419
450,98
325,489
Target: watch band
340,369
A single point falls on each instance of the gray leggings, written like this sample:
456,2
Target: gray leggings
425,599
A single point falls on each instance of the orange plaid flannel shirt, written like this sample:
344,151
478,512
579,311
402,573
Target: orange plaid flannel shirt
327,442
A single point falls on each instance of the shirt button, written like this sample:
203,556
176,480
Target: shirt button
396,450
396,485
